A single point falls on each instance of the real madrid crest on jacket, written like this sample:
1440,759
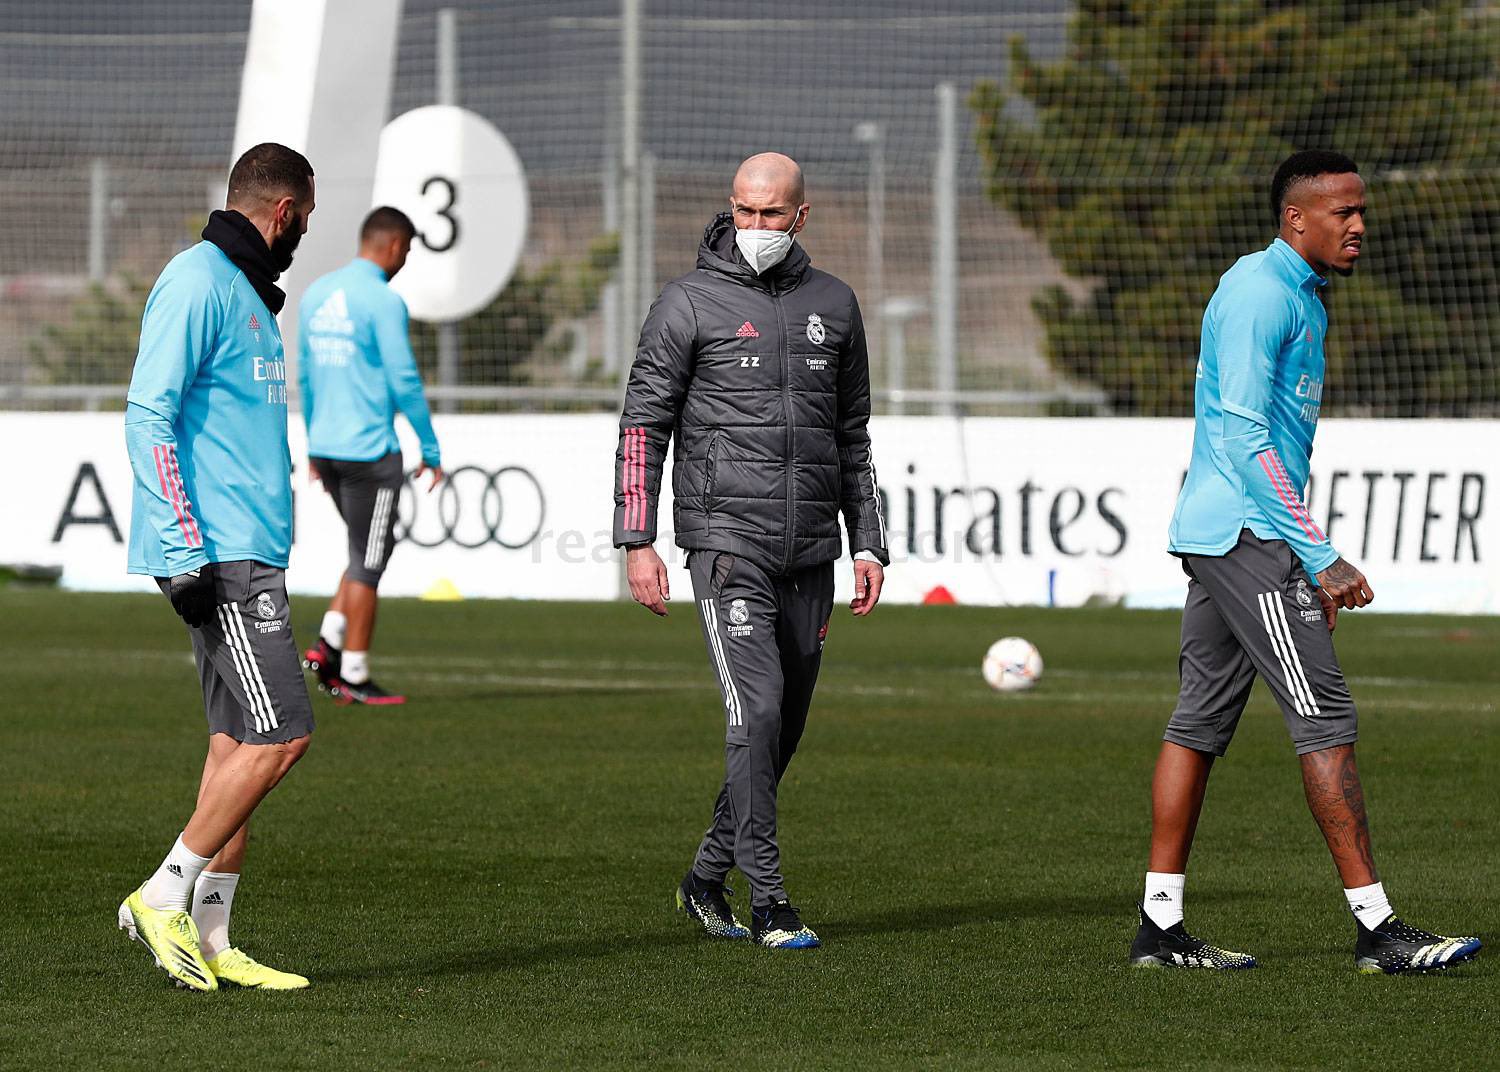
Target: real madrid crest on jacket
765,381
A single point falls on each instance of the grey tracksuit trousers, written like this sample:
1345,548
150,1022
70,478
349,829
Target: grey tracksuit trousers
765,642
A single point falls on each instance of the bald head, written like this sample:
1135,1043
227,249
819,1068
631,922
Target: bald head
770,173
768,193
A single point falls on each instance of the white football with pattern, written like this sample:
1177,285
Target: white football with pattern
1012,664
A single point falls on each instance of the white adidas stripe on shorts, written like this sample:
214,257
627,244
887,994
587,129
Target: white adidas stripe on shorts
379,521
1273,616
259,697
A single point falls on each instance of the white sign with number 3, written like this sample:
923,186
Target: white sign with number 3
461,183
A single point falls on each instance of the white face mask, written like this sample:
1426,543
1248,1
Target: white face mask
764,249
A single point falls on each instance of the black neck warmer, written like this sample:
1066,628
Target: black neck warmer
243,245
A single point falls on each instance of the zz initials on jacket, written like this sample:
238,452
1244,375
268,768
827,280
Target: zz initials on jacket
750,361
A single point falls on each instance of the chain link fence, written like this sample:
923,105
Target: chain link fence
1032,199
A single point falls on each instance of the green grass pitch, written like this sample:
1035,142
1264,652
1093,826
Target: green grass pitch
484,878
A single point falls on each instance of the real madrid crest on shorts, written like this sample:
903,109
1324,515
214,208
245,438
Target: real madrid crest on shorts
264,607
739,618
1310,612
815,333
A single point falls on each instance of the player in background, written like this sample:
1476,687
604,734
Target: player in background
756,364
1264,584
211,520
356,371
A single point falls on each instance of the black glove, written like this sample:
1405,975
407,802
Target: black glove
192,595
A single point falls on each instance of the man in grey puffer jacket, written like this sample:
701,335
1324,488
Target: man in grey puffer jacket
757,362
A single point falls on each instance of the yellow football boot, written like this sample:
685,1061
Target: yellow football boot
172,938
232,966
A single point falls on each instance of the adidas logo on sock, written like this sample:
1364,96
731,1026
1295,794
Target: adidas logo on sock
175,870
1161,895
212,898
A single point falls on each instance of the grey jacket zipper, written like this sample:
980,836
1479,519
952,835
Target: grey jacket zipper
786,408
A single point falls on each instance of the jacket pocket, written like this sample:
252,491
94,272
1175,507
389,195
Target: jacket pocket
723,566
709,475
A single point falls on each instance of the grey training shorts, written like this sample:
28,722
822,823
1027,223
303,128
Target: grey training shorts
1255,611
366,494
248,664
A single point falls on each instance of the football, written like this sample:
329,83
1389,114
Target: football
1012,664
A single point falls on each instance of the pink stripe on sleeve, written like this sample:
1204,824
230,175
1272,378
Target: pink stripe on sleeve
1288,497
191,535
169,489
631,494
1287,480
638,478
628,481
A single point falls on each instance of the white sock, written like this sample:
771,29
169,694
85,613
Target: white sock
171,888
213,897
355,667
333,629
1163,900
1369,904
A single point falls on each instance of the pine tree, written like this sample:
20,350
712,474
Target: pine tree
1143,158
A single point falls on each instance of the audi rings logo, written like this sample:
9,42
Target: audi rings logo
474,508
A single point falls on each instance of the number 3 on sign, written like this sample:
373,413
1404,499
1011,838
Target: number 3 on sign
444,213
463,186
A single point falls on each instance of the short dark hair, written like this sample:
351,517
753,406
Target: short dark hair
268,172
386,220
1307,164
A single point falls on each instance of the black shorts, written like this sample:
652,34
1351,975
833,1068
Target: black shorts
366,494
1255,611
248,664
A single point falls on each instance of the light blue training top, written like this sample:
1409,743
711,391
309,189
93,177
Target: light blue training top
1260,384
357,368
205,423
